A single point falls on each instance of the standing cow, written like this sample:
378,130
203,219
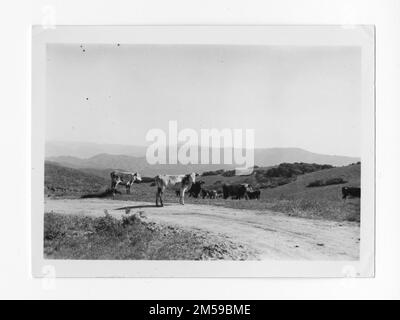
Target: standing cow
236,191
123,177
204,193
254,194
353,192
184,182
213,194
195,189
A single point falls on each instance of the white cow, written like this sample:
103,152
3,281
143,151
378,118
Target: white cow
184,182
123,177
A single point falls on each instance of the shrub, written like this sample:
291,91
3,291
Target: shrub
212,173
131,220
229,173
321,183
292,169
316,183
54,227
287,172
108,224
335,181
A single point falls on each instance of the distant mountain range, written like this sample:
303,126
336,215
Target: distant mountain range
132,158
89,149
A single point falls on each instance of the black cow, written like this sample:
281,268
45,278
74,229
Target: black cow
204,193
351,191
195,189
212,194
254,194
236,191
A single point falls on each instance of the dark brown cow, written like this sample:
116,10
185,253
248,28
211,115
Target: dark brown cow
254,194
204,193
213,194
353,192
195,189
236,191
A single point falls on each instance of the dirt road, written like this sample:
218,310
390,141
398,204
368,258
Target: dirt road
272,235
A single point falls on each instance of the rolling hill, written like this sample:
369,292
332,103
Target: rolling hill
59,180
295,198
88,149
135,164
263,158
298,189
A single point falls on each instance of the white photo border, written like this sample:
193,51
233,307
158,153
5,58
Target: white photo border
313,35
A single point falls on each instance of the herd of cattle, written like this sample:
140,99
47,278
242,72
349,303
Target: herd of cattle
187,183
236,191
184,184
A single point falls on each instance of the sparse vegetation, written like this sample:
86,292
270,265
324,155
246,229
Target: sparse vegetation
289,170
322,183
131,238
229,173
62,181
212,173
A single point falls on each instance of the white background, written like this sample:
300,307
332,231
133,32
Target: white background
16,18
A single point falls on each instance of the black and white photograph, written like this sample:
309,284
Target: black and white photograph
212,151
200,157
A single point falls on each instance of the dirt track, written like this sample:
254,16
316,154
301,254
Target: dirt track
272,235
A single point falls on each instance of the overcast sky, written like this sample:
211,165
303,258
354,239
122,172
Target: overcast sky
306,97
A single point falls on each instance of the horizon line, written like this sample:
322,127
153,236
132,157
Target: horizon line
198,146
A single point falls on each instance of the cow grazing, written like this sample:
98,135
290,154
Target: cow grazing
195,189
235,191
353,192
204,193
212,194
184,182
125,178
254,194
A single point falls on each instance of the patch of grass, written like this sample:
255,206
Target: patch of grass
60,181
348,210
318,209
131,238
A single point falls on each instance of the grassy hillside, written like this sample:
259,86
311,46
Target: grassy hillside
293,198
325,202
298,189
264,177
62,181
